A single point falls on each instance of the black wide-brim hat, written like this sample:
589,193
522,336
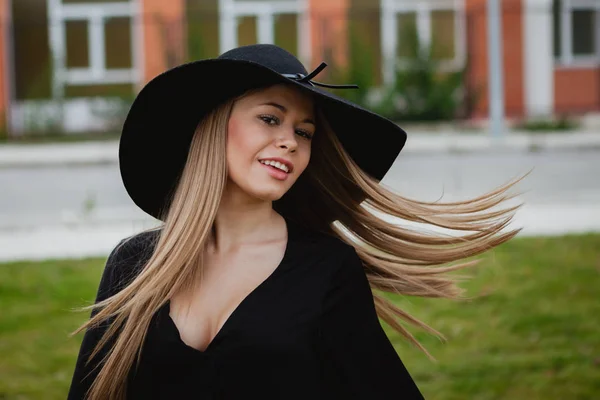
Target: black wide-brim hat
163,118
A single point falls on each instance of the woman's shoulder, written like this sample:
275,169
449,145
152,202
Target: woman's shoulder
323,243
303,231
131,254
134,246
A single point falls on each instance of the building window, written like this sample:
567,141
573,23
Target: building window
93,44
32,67
438,26
281,22
576,32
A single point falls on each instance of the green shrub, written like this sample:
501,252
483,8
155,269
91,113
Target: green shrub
562,123
421,91
360,71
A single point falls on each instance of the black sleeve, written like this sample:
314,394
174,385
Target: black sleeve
360,361
120,268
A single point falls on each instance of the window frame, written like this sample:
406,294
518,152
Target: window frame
566,58
95,15
265,12
390,9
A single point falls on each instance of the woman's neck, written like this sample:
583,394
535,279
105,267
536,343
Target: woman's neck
241,220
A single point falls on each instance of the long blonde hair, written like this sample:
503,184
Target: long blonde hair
396,259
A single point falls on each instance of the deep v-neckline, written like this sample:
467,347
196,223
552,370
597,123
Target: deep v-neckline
231,318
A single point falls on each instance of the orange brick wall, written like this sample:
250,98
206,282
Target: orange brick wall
328,30
164,35
477,48
576,90
477,60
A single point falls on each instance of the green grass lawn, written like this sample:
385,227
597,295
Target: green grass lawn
532,333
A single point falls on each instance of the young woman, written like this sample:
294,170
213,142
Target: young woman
258,283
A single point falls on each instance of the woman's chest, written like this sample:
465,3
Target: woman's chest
226,284
281,317
274,333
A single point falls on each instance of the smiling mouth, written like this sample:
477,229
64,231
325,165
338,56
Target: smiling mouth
277,165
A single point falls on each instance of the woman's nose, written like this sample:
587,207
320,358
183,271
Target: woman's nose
287,140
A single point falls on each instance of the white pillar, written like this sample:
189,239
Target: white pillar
496,68
304,34
388,40
538,58
96,44
424,27
57,39
460,33
227,26
266,33
137,44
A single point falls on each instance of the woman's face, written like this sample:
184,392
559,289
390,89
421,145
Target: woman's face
271,126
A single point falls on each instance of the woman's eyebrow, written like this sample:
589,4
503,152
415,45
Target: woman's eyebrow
284,110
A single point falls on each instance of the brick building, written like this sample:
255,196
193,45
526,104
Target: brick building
64,62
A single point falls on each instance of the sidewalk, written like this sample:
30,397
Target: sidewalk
81,233
103,152
98,239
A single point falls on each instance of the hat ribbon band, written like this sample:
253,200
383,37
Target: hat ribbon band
308,79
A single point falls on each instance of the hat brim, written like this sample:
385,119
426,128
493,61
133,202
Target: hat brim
163,117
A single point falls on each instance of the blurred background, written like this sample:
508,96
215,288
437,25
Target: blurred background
69,70
73,66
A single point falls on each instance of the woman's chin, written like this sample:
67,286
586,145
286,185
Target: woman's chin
268,194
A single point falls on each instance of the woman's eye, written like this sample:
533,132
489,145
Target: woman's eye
269,119
273,121
304,134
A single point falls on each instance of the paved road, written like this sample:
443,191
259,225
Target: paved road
566,176
54,195
40,196
53,204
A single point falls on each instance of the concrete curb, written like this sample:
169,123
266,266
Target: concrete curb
106,152
37,155
80,240
519,142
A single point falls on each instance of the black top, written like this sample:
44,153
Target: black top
309,331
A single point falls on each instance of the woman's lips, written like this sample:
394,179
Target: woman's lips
275,172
